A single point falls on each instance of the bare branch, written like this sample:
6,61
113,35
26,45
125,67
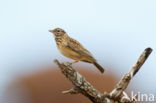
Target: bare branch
123,83
84,87
81,84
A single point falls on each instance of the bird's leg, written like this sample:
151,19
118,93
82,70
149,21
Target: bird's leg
75,61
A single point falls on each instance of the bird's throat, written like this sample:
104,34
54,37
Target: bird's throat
58,40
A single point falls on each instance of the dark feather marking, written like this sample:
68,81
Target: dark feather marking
78,51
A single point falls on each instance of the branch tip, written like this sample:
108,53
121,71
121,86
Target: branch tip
148,52
56,61
71,91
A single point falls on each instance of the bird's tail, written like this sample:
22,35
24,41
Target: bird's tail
99,67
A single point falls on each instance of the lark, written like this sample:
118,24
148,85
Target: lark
72,49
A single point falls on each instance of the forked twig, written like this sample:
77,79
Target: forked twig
123,83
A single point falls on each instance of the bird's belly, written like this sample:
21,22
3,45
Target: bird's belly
69,53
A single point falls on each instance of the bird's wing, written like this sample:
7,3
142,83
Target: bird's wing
77,47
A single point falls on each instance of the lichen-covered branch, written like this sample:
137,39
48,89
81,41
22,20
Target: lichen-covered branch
123,83
80,85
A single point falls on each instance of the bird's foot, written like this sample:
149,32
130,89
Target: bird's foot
74,62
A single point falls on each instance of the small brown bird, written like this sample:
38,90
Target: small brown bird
73,49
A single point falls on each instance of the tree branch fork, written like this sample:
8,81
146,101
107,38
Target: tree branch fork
117,95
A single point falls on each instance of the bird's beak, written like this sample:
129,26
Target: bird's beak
51,31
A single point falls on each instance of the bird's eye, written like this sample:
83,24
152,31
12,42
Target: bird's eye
58,30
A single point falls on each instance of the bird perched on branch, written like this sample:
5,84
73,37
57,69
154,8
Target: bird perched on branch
73,49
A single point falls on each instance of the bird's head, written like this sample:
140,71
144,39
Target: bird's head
58,32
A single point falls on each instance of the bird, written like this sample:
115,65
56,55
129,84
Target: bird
72,49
